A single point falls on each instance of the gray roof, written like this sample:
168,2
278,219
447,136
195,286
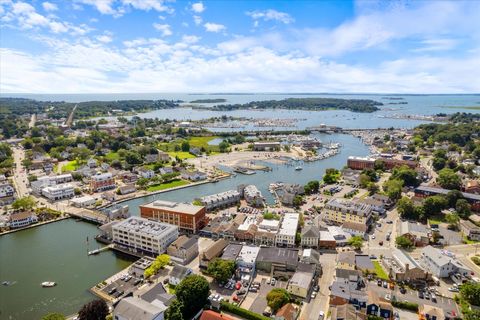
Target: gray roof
301,279
434,190
413,228
346,273
157,292
348,289
179,271
346,257
442,257
404,258
137,309
363,262
231,251
310,232
278,255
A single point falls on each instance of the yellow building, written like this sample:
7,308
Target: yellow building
341,210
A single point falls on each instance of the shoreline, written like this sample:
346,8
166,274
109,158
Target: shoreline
35,225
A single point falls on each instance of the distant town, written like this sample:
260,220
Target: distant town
389,235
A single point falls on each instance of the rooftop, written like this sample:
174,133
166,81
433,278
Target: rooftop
289,224
145,226
182,207
248,254
278,255
231,251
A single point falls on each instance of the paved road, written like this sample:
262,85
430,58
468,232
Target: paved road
20,178
311,310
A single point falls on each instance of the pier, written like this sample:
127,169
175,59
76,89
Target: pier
99,250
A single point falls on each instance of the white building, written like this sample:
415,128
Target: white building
58,192
442,263
47,181
82,202
6,193
253,196
286,235
133,308
247,257
146,173
142,235
21,219
220,200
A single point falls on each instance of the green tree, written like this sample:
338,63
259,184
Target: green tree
133,158
297,201
93,310
452,219
221,270
470,291
25,203
174,311
224,146
448,179
185,146
403,242
407,175
438,163
452,196
365,180
312,187
372,188
54,316
463,208
192,292
277,298
393,188
356,242
406,208
331,176
160,262
434,205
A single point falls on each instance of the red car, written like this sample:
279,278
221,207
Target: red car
238,285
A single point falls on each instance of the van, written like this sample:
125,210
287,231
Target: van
267,312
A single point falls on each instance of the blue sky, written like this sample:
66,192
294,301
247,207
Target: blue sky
108,46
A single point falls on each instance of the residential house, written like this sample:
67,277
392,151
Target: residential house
177,274
379,307
134,308
346,260
442,264
21,219
212,315
214,251
146,173
126,189
183,250
287,312
301,281
417,233
429,312
349,290
355,229
194,175
472,186
7,194
470,230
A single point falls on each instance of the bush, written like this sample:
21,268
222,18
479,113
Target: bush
244,313
405,305
476,260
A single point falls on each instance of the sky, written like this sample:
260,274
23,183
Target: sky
136,46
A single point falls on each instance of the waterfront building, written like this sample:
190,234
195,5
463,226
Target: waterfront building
425,191
194,175
82,202
360,163
21,219
342,210
188,217
146,173
47,181
221,200
128,188
266,146
441,263
138,267
117,211
252,195
183,250
144,236
102,182
58,192
286,235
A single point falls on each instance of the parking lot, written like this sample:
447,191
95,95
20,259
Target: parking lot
259,299
121,286
447,304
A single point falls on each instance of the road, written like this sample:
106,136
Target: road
20,177
311,310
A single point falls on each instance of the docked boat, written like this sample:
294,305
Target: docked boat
298,168
48,284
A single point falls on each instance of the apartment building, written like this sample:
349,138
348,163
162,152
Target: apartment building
58,192
144,236
342,210
441,263
220,200
184,249
101,182
188,217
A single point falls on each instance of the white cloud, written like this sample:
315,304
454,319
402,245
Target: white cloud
103,6
198,7
105,38
163,28
190,39
158,5
198,20
48,6
270,14
436,45
118,7
214,27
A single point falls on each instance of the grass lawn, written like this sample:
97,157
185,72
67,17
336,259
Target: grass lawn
171,289
379,270
168,185
181,154
436,220
112,156
200,141
70,166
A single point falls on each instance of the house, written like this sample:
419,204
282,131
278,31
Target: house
301,281
472,186
310,236
346,260
184,249
287,312
21,219
441,263
221,200
102,182
126,189
165,170
351,177
379,307
214,251
429,312
349,290
133,308
194,175
404,268
178,273
7,194
252,195
288,230
355,229
345,312
129,177
146,173
417,233
470,230
92,163
212,315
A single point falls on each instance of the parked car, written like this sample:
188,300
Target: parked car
379,283
372,256
403,290
321,315
243,291
420,294
385,284
434,298
453,289
269,280
238,285
112,291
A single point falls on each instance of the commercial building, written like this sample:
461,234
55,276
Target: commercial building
266,146
441,263
286,235
58,192
310,237
470,230
82,202
425,191
277,261
117,211
144,236
360,163
301,281
231,252
21,219
403,268
189,218
247,257
417,233
221,200
183,250
46,181
101,182
214,251
342,210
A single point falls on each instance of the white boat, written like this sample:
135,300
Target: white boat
298,168
48,284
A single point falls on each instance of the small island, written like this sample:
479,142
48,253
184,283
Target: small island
312,104
209,101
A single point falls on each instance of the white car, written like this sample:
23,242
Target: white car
321,315
373,236
388,297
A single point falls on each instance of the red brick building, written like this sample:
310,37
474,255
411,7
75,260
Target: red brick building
189,218
358,163
102,182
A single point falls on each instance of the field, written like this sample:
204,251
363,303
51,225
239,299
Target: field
195,142
379,270
70,166
181,155
168,185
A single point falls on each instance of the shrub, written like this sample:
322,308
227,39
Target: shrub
476,260
244,313
405,305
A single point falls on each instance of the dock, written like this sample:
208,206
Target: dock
99,250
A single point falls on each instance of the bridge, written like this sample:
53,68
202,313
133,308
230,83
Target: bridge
89,215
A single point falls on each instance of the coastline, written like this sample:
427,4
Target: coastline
35,225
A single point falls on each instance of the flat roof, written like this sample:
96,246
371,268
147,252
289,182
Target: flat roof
182,207
248,254
278,255
145,226
435,190
289,224
231,251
